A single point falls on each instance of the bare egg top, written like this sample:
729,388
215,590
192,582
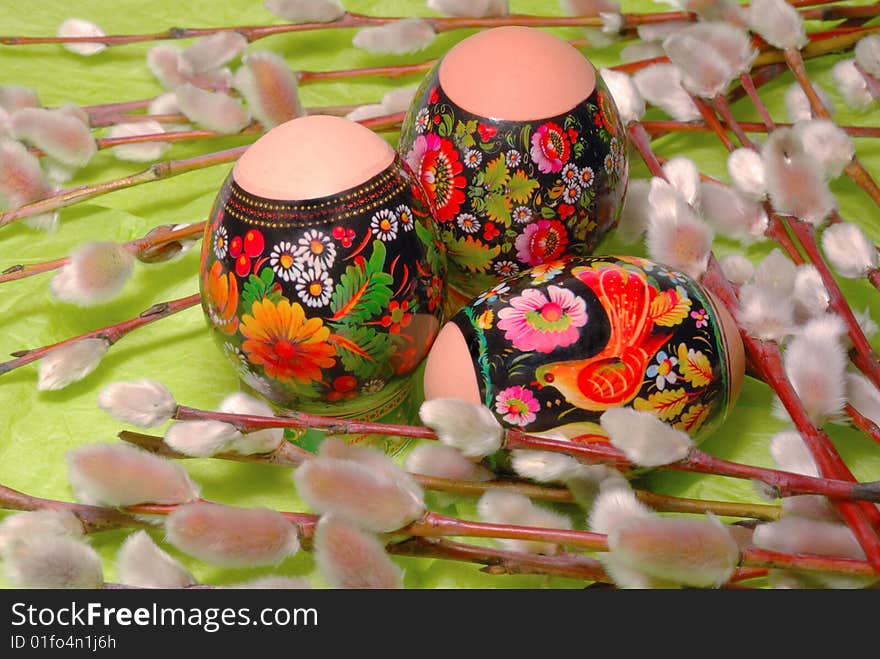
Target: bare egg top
312,157
516,74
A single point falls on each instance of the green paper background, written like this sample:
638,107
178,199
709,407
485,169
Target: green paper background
37,428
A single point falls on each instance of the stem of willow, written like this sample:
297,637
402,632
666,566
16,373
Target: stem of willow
138,246
765,356
786,483
111,333
658,128
289,455
157,172
854,169
435,525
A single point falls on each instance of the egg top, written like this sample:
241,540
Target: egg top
516,74
311,157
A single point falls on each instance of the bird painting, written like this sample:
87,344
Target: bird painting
615,375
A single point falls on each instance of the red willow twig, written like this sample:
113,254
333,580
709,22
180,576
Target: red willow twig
291,456
136,246
435,525
111,333
159,171
786,483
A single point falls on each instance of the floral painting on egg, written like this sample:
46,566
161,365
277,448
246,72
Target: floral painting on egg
322,301
510,195
557,345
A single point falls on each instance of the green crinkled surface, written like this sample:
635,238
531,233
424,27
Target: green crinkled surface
39,427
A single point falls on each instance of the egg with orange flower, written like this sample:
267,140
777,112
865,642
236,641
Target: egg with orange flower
322,275
519,146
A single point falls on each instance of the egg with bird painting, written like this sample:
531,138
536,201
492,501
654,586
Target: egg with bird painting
521,151
549,350
322,278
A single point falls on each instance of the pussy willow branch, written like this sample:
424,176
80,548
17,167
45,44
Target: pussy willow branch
435,525
157,172
137,246
291,456
573,566
786,483
111,333
439,24
659,127
854,169
351,20
862,518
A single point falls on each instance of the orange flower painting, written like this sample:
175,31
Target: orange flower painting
285,343
221,298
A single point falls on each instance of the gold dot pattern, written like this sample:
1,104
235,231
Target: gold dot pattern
258,211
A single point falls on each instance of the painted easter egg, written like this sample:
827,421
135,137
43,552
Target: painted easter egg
520,149
321,275
550,349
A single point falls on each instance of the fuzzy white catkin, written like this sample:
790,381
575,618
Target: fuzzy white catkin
213,110
348,557
142,151
232,537
616,507
211,52
260,441
691,552
732,214
141,563
643,438
867,54
683,174
746,171
704,72
202,438
123,475
795,182
470,428
826,142
14,97
775,274
791,454
863,396
778,23
626,96
737,268
641,50
676,235
95,272
36,524
848,250
306,11
797,105
496,507
820,384
269,87
443,461
56,133
730,42
145,403
811,298
851,85
79,27
545,466
634,215
407,35
660,85
53,562
470,8
70,363
379,501
765,316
